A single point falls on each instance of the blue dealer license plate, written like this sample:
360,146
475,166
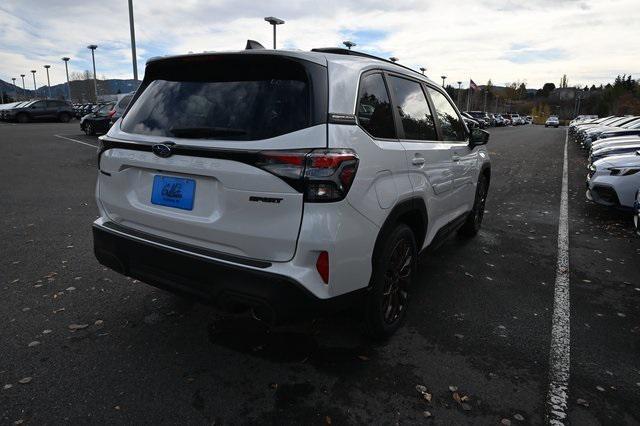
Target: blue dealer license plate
173,192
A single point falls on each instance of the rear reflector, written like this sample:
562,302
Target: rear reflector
322,265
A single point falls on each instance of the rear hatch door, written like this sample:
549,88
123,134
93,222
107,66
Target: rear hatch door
209,152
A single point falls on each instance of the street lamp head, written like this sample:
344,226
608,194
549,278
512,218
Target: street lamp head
459,82
349,44
92,46
423,69
33,71
66,59
393,59
273,20
443,77
47,66
22,75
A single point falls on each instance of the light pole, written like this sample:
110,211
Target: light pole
24,91
93,48
393,59
459,90
35,88
422,69
443,77
48,81
133,42
349,44
274,22
15,88
66,68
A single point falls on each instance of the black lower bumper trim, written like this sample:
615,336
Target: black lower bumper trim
209,281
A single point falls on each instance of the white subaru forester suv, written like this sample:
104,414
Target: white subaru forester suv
287,182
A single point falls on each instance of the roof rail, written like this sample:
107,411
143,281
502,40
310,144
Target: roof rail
348,52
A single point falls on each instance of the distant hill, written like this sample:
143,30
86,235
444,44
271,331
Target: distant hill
81,90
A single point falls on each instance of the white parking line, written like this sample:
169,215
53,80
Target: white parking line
76,141
559,356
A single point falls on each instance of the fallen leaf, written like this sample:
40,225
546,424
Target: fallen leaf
327,420
421,389
98,322
55,311
456,397
25,380
505,422
427,396
74,327
453,388
519,417
427,414
70,288
582,402
600,388
465,406
363,358
34,343
7,386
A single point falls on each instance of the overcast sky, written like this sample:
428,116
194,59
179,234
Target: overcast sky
503,40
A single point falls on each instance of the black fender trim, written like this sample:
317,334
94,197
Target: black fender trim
413,207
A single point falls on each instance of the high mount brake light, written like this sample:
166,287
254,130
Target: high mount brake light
322,175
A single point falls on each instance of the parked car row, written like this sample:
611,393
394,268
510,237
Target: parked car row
485,119
100,119
613,147
35,110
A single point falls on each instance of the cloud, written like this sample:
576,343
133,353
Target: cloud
502,40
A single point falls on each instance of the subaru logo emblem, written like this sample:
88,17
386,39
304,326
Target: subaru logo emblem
162,150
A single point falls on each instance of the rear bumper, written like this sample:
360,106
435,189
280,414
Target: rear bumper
209,280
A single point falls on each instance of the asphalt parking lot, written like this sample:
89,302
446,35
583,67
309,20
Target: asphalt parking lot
81,344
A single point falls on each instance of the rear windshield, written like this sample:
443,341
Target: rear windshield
229,97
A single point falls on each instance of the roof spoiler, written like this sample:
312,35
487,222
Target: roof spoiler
252,44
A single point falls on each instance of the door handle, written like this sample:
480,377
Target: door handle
417,161
455,158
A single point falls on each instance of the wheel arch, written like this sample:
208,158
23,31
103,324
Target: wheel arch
411,212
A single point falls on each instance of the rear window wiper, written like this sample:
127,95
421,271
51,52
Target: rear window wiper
205,132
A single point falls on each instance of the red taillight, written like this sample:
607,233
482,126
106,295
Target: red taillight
323,175
322,265
112,113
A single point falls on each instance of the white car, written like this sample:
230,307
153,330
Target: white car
255,178
552,122
614,181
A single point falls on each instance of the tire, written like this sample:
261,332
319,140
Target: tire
22,118
89,130
394,271
473,223
64,117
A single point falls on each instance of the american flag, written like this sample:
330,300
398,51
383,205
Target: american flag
473,86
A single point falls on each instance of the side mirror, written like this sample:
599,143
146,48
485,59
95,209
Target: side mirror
478,137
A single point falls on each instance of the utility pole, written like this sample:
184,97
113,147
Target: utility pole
35,88
24,91
459,91
93,48
48,81
422,69
15,88
66,68
443,77
133,41
274,22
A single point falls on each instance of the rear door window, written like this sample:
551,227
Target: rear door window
374,108
416,118
450,122
246,97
